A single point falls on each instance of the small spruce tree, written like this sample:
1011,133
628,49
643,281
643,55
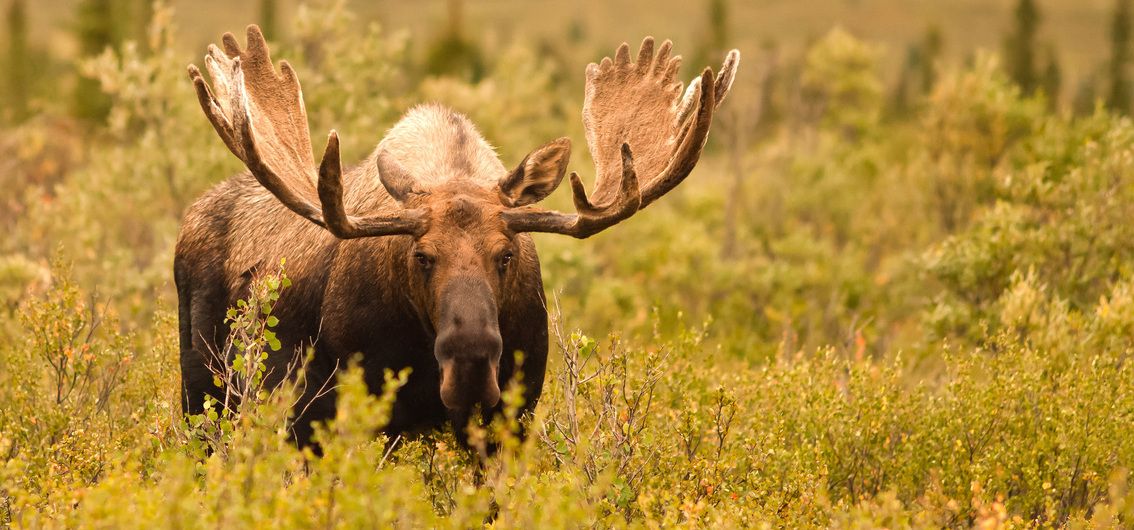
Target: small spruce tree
908,86
19,73
715,40
718,25
919,71
1020,47
770,112
1118,96
932,44
1086,95
576,31
1052,80
142,15
269,20
97,30
452,54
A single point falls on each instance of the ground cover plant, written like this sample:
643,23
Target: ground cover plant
852,315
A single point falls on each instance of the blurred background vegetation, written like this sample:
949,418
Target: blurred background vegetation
898,290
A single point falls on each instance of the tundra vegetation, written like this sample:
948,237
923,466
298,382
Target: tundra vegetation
851,315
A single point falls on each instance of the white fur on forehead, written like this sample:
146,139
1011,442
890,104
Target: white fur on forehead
436,144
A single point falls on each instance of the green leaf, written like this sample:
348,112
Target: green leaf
587,345
273,342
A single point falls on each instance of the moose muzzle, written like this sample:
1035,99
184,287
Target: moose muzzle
468,345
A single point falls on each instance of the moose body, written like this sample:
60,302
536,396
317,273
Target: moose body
419,256
351,295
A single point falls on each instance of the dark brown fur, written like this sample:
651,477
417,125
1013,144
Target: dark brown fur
366,295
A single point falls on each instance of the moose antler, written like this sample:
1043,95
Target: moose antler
260,116
637,124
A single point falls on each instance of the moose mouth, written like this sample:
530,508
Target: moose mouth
465,384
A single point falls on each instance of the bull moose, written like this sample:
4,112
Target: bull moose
419,256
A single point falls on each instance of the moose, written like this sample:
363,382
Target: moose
419,256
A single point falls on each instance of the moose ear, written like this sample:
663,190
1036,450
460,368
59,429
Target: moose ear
538,174
395,178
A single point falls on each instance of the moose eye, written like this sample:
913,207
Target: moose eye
505,259
423,260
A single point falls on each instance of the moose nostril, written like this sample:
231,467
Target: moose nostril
468,343
457,322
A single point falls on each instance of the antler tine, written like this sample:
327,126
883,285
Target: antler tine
259,114
214,112
412,221
692,142
331,189
590,219
727,75
635,105
723,84
624,205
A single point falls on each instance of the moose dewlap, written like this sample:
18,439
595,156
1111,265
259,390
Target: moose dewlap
419,255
